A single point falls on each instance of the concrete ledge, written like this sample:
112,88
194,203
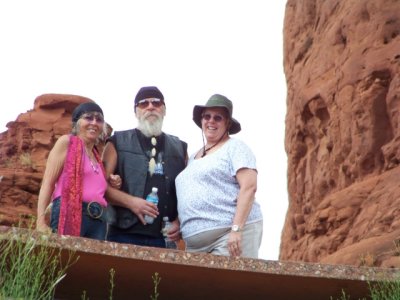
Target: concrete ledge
198,276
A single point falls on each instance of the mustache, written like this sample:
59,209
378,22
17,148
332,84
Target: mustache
151,113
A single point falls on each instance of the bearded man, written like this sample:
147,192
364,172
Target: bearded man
144,157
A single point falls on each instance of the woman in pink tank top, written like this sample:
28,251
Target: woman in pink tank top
74,180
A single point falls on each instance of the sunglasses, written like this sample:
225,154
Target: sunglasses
216,118
90,117
145,103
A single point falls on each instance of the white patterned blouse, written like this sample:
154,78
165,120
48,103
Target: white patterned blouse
207,189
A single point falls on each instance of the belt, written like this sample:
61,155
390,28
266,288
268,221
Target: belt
94,210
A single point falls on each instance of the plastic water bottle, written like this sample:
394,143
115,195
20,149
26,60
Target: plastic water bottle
166,226
153,198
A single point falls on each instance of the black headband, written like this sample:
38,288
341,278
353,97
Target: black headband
148,92
84,108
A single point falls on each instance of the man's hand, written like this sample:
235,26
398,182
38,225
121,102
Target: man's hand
142,207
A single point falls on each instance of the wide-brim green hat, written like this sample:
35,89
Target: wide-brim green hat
217,100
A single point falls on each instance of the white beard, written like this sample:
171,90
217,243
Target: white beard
150,128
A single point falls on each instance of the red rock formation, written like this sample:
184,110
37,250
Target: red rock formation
341,61
24,148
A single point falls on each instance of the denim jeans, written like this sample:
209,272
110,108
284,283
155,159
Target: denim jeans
90,228
135,239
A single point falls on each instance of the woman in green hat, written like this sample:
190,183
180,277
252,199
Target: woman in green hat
216,191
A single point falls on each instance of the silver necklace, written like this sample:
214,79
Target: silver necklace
95,168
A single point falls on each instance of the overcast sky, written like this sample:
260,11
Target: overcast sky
107,50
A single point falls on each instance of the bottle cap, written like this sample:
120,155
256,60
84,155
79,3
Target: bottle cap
154,190
165,219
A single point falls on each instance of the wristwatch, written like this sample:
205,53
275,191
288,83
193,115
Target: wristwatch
235,228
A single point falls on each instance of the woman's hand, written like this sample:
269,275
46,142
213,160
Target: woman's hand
42,226
115,181
247,179
174,232
235,243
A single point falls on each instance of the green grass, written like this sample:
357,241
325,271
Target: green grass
381,290
29,268
156,281
385,290
112,284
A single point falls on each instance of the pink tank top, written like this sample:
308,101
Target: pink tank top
94,183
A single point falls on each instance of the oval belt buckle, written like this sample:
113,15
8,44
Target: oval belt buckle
95,207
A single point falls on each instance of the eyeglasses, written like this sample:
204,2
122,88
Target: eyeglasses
145,102
216,118
90,117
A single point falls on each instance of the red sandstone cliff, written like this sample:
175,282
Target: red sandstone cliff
341,60
24,148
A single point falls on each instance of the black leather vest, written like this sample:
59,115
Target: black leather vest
132,166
